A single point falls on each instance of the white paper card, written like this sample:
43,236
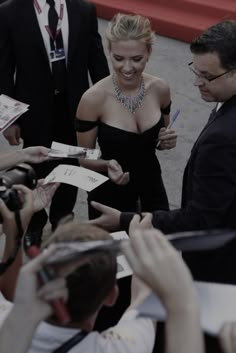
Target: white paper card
217,305
123,267
67,151
10,110
119,235
83,178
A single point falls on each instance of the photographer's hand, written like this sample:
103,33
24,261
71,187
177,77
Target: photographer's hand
43,194
35,154
8,278
27,209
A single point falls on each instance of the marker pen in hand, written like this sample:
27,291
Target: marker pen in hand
45,276
175,116
139,208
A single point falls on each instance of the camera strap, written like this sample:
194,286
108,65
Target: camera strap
20,232
70,343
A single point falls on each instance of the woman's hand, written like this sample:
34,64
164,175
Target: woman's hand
167,138
116,173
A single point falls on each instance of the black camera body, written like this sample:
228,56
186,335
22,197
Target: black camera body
20,174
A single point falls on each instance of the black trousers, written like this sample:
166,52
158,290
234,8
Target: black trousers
65,197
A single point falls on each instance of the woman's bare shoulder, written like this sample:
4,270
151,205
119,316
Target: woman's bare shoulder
159,88
157,83
97,93
93,100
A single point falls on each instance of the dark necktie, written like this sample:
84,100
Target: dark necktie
59,66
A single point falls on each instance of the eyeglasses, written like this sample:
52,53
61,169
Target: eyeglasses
207,78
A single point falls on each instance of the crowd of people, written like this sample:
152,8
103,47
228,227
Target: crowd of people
48,50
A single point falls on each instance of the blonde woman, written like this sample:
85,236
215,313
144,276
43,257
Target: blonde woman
127,114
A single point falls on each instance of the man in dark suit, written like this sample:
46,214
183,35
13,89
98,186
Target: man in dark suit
30,40
209,183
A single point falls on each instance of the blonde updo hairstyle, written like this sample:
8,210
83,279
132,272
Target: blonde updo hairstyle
130,27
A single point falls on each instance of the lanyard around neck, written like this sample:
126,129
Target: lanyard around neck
59,23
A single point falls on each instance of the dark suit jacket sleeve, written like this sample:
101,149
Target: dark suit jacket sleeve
211,193
7,57
97,62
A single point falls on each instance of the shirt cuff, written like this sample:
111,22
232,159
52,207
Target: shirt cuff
125,219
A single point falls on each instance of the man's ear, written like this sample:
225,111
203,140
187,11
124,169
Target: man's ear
112,296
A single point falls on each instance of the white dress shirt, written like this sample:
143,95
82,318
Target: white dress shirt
43,21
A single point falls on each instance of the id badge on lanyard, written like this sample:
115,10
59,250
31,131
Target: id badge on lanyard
58,53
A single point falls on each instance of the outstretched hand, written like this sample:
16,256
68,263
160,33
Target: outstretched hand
35,154
43,194
109,219
116,173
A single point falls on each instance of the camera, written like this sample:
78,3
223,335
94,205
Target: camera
19,174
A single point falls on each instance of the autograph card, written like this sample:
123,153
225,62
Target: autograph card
10,110
83,178
62,150
217,306
123,267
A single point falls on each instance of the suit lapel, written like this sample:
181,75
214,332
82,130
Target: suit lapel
34,29
74,21
213,116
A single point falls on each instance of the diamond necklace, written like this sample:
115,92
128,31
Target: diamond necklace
131,103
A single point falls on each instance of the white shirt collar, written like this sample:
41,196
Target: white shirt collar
219,105
42,3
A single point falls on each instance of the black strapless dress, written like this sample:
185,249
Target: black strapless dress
136,153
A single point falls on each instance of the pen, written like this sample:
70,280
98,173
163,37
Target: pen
175,116
139,208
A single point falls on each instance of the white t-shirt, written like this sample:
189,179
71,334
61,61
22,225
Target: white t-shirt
130,335
5,308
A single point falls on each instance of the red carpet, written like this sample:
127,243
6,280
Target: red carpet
180,19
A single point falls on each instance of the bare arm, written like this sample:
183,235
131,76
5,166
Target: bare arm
30,306
147,251
90,109
167,137
30,154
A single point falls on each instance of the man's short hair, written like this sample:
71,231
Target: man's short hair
89,285
220,39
